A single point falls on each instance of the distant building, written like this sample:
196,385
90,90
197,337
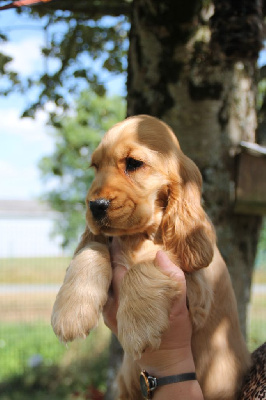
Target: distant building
25,229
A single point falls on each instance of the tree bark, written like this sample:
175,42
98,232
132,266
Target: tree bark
209,101
175,73
115,359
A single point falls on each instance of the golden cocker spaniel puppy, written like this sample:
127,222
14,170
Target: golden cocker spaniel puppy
147,194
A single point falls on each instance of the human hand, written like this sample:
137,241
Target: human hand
174,355
111,306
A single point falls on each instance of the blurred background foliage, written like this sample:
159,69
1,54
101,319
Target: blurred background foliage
82,51
76,136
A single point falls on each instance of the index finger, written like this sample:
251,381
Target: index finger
118,275
111,306
168,268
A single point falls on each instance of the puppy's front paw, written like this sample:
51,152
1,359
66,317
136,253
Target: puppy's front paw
76,311
82,295
145,301
138,331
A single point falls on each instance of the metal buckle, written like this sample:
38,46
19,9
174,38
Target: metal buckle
152,383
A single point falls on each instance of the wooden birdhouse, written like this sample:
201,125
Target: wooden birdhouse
250,189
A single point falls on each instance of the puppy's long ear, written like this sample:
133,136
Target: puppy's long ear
187,231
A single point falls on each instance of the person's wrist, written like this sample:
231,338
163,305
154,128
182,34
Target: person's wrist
167,362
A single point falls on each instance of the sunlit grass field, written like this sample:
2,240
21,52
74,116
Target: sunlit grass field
33,270
256,329
37,366
259,276
25,344
34,364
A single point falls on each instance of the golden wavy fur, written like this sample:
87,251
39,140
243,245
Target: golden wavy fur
147,193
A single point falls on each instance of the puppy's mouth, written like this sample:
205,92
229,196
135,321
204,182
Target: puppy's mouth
112,218
106,228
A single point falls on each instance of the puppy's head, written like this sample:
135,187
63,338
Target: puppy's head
142,182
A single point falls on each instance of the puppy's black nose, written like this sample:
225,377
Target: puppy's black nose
98,208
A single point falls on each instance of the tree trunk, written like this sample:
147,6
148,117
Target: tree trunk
210,104
115,358
174,74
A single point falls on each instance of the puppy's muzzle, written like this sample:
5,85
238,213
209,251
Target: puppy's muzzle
99,208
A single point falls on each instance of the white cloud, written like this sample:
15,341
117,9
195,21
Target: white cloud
23,143
18,182
7,170
26,54
30,130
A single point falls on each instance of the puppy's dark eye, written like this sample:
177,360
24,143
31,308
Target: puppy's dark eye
132,164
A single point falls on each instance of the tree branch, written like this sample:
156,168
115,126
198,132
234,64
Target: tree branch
92,8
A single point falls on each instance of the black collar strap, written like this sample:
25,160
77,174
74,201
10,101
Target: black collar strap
149,383
189,376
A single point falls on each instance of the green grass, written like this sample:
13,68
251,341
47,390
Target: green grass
20,342
52,270
66,373
257,323
256,333
33,270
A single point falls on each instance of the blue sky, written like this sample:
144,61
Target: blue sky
23,142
